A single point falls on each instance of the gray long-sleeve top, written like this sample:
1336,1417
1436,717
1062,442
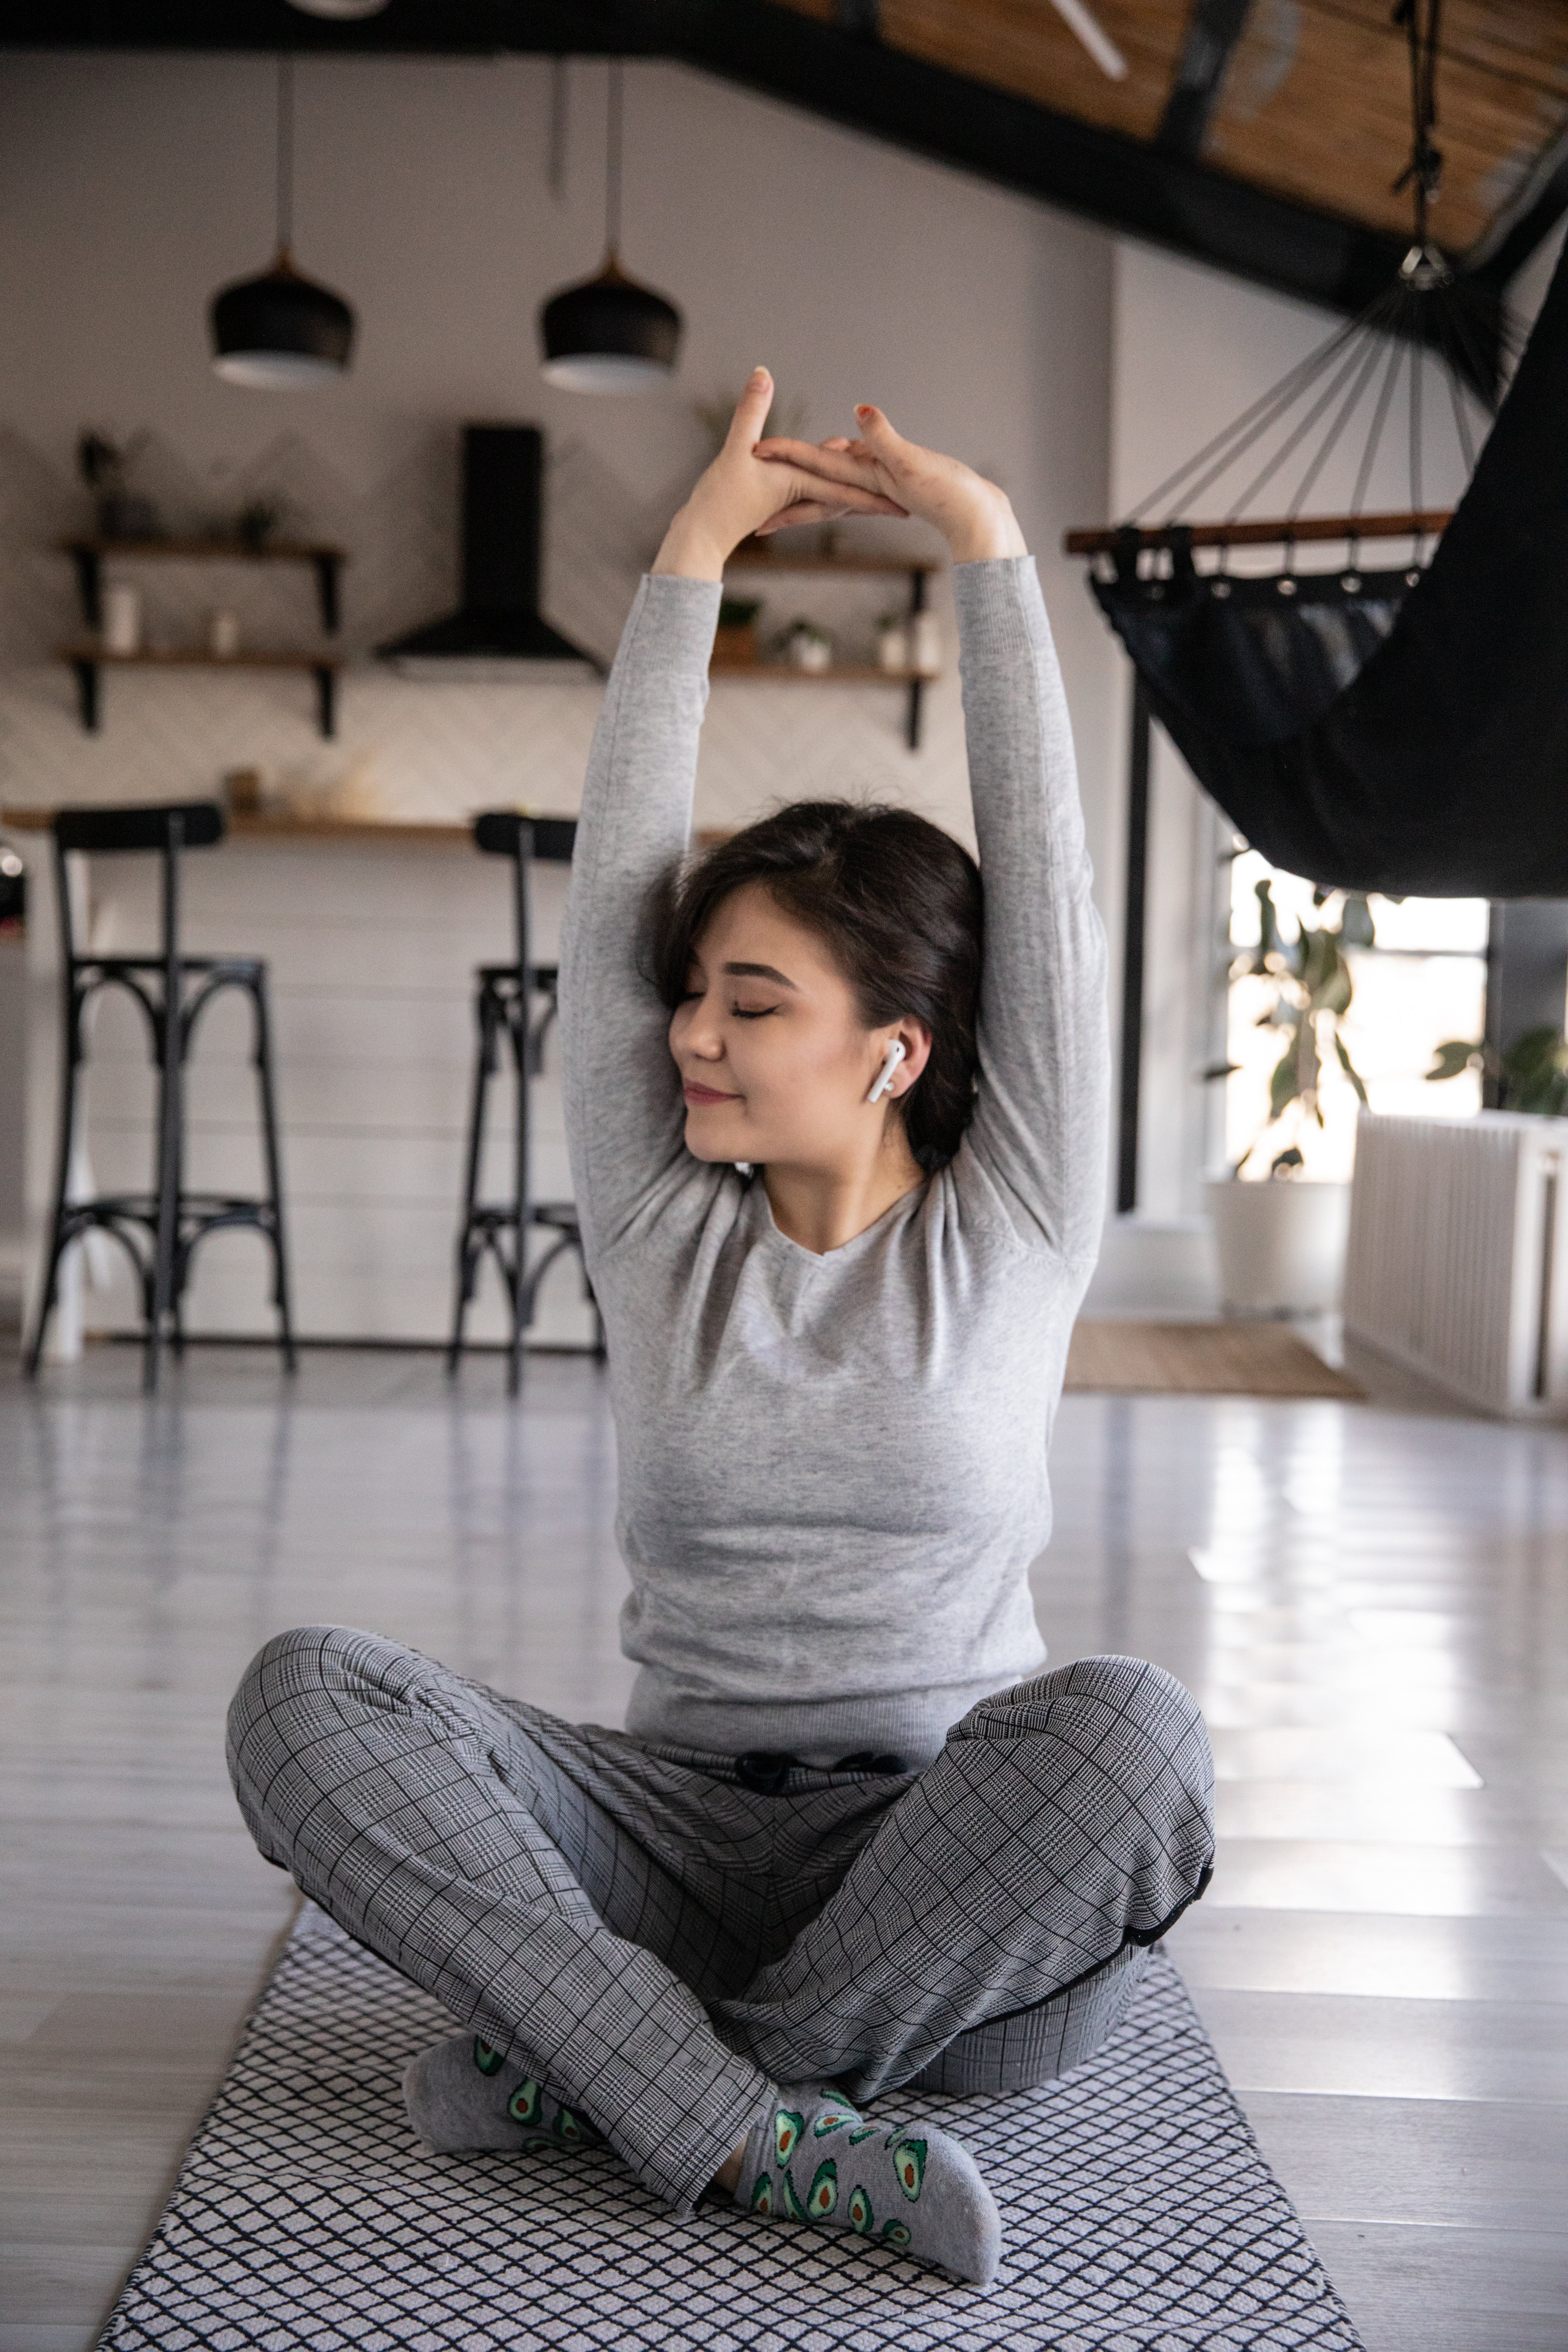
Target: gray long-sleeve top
833,1468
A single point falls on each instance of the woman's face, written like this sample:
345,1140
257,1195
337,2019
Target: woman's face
773,1057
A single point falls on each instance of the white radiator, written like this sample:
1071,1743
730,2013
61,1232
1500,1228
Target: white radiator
1458,1254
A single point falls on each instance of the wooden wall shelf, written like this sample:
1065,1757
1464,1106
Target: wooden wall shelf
756,558
88,660
90,555
839,674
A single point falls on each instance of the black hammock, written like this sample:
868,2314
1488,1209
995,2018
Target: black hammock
1375,735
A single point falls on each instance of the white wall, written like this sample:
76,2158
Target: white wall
131,187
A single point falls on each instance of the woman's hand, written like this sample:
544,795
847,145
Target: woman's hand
740,493
972,514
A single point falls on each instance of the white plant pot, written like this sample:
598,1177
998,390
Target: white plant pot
1281,1245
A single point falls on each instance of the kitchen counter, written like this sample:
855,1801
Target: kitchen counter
284,827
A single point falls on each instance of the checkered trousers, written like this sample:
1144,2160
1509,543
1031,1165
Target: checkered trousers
662,1944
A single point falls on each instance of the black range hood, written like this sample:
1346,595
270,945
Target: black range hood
495,632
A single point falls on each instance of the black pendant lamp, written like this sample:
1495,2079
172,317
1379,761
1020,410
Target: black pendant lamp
609,334
281,333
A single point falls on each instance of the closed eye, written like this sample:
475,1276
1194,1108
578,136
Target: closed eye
752,1012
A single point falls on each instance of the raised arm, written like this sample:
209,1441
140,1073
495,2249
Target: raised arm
1039,1129
1039,1136
623,1112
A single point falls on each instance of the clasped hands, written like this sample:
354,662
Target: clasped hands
754,487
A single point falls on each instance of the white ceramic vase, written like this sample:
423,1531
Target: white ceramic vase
1281,1245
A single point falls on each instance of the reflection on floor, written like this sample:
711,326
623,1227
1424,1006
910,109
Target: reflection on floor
1371,1601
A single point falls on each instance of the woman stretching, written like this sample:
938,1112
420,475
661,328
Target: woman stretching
840,1174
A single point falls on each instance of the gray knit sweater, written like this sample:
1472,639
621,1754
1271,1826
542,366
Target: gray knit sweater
833,1468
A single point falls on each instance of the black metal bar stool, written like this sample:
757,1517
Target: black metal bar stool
160,1229
504,1006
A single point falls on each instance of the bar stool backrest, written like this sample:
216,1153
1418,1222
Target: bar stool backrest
134,824
507,832
166,828
498,833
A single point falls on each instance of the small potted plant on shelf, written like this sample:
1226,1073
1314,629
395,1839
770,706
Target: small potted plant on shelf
1281,1240
735,639
893,641
257,520
103,466
806,646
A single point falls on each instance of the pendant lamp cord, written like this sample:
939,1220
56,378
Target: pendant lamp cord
1420,21
612,164
285,154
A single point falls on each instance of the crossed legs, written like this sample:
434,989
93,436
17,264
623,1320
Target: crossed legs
663,1945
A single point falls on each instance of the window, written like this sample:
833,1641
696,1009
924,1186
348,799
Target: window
1424,981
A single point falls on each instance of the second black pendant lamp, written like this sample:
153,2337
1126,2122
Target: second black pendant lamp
281,333
609,334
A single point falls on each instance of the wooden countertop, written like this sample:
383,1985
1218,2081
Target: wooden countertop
293,828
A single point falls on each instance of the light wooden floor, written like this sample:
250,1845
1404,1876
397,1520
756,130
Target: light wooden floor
1371,1601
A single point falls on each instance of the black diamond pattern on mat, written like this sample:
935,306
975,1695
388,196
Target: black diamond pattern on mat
1139,2215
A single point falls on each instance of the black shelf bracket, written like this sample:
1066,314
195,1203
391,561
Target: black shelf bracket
89,585
327,700
917,685
87,694
328,567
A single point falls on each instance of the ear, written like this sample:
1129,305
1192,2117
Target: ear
915,1039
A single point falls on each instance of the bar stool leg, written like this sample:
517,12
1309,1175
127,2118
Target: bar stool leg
468,1252
167,1187
71,1065
180,1269
521,1289
270,1153
171,1061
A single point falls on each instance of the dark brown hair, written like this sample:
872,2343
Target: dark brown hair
897,903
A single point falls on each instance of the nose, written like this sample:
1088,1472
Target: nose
701,1033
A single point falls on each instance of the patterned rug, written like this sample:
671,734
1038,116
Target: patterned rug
1139,2215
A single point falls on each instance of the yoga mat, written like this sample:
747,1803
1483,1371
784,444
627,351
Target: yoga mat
1139,2215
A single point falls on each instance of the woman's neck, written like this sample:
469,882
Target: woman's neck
824,1208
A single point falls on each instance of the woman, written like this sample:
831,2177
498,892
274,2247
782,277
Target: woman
839,1177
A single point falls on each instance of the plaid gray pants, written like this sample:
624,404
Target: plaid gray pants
661,1943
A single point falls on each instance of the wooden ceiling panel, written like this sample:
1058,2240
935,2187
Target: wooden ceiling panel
1024,47
1523,40
1316,106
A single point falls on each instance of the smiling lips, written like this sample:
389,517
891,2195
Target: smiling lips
701,1097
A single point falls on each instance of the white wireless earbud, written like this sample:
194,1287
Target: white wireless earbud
893,1056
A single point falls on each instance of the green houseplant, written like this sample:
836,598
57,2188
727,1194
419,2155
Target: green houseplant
1312,991
1281,1244
736,644
1531,1075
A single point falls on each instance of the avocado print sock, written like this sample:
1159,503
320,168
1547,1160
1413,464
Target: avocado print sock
813,2159
465,2094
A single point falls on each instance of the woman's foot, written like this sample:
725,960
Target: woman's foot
464,2094
813,2159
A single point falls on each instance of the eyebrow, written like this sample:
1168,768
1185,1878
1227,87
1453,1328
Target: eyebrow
758,972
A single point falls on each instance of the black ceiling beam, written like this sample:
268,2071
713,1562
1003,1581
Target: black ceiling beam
1213,31
1122,184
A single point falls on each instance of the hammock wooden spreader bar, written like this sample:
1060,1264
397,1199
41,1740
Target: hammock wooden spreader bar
1426,524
